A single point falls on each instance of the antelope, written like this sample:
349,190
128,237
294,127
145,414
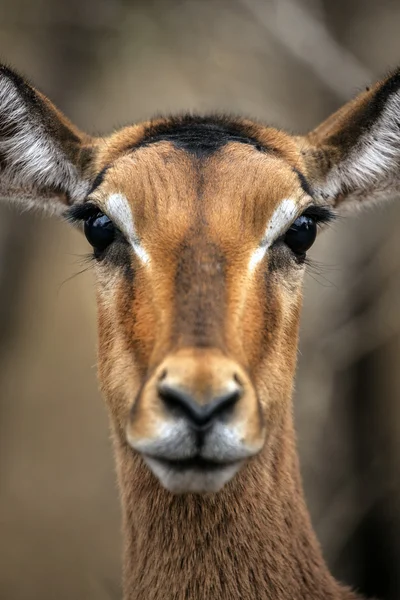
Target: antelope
200,227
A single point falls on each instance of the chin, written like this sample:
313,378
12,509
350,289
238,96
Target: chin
192,479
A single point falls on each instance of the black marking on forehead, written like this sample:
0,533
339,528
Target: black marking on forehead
201,136
306,187
98,180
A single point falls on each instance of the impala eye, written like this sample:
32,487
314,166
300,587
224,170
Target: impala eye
99,231
301,236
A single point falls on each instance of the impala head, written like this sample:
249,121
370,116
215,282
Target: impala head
200,228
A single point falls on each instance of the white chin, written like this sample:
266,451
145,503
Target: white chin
191,480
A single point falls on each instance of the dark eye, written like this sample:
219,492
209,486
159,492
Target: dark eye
301,236
99,231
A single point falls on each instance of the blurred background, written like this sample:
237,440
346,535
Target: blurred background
106,63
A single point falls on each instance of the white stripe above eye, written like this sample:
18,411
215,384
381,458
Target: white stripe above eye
282,216
118,209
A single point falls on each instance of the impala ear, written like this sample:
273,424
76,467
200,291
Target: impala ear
45,162
354,156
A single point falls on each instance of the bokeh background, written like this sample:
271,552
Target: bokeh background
106,63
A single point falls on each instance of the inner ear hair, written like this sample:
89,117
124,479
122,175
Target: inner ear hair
354,155
44,160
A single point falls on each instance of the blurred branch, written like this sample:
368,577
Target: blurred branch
310,42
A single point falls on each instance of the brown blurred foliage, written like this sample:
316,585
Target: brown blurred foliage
110,62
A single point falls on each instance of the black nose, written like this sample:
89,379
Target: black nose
200,416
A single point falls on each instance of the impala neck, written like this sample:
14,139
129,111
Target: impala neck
253,540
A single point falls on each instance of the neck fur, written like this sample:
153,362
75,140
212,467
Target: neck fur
253,540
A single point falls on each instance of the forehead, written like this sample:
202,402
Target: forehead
194,171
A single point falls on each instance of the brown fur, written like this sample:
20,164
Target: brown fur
253,539
200,312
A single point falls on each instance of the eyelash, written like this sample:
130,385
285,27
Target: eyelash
322,215
81,212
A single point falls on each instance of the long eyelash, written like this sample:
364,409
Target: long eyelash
321,214
81,212
319,268
319,272
86,261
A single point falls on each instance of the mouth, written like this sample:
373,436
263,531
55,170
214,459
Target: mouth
192,475
196,463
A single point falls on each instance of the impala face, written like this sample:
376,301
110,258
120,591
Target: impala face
199,231
200,228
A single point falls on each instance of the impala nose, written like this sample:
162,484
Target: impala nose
196,420
200,415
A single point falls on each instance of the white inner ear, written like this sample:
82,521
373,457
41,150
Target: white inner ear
282,216
32,158
119,210
376,155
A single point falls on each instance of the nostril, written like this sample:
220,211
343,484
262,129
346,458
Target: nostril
222,406
181,403
162,375
175,399
238,380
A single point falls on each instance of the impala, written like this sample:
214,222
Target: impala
200,227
